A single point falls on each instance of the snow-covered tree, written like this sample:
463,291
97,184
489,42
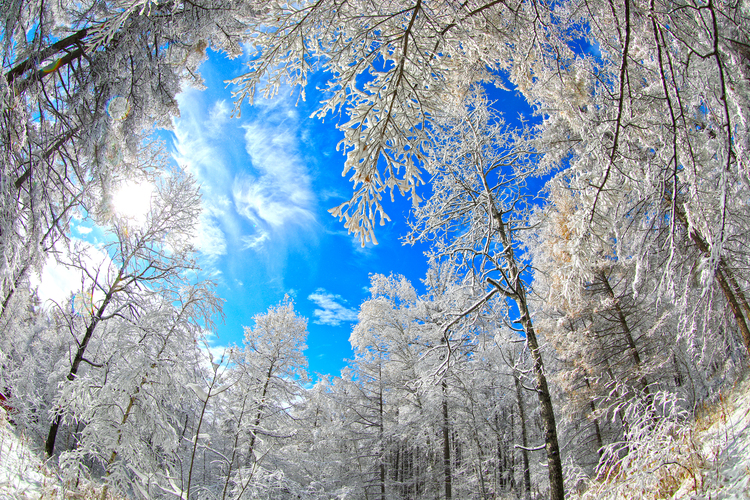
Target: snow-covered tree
476,211
82,86
623,331
640,256
270,369
130,407
143,264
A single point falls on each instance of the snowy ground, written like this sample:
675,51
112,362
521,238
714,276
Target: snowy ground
704,459
726,451
23,474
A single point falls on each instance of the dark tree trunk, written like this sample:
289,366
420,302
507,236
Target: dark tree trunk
733,294
517,292
597,429
625,329
381,433
52,435
446,446
258,416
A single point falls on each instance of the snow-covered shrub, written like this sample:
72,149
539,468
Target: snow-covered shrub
656,454
575,477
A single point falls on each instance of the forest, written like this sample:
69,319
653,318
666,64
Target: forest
562,337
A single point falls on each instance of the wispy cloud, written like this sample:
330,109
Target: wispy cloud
256,240
210,240
198,148
218,116
331,311
280,195
256,191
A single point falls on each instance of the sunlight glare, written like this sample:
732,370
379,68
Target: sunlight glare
132,201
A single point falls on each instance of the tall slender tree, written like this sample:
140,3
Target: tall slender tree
272,367
151,260
476,211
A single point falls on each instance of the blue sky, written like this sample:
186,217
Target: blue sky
268,179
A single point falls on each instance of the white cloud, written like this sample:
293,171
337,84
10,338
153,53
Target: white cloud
255,241
218,116
280,196
197,148
57,282
209,238
331,311
262,200
274,196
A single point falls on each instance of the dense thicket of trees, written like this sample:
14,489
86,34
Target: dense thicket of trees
579,322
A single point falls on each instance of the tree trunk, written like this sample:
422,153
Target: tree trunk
625,329
517,292
52,435
234,448
728,284
381,433
510,458
12,289
524,440
501,460
597,430
677,373
446,446
74,40
259,414
480,472
552,447
554,462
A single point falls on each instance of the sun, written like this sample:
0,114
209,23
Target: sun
132,201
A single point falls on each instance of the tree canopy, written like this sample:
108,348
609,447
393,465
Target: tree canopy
617,295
